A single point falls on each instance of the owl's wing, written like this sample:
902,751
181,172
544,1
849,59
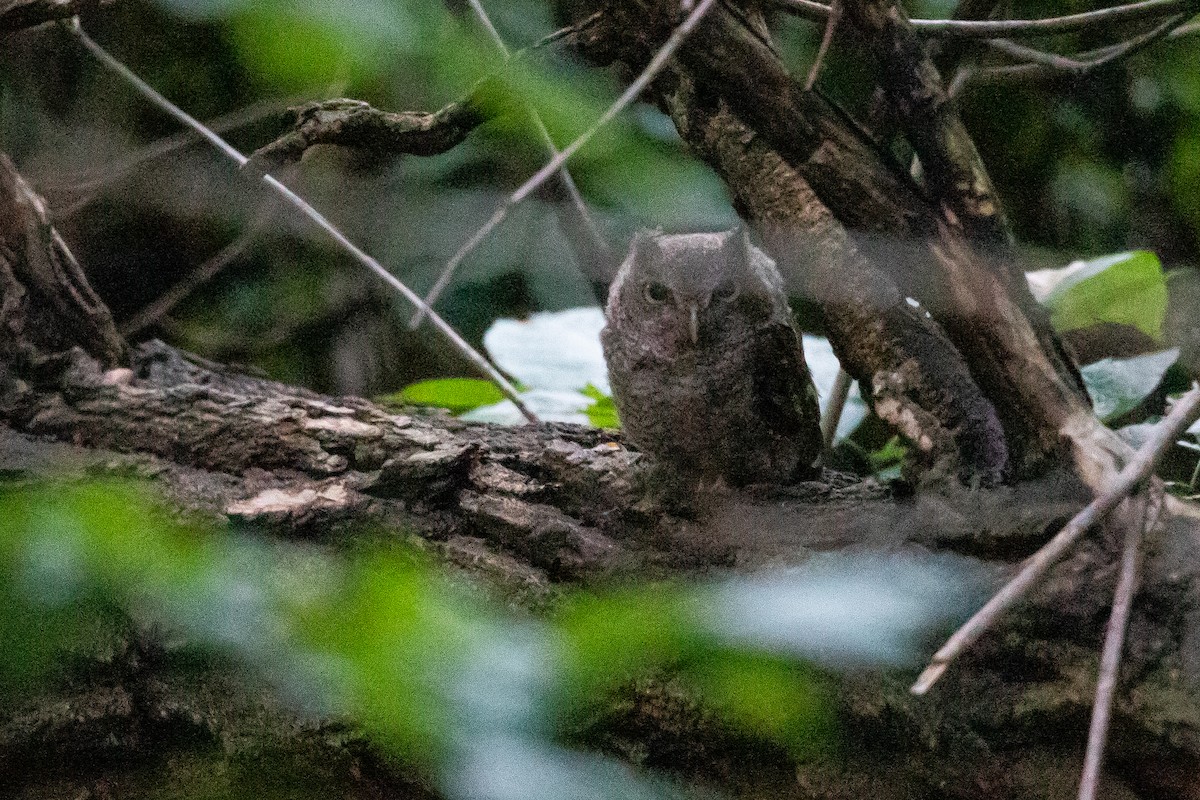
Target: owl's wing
783,388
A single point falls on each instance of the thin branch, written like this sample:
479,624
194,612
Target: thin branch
96,178
1185,412
24,14
835,14
598,243
990,29
471,354
1114,642
88,185
1049,63
837,404
541,176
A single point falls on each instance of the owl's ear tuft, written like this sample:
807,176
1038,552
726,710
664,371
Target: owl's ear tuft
740,248
645,243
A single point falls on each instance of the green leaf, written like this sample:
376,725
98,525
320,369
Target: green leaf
1118,385
890,456
456,394
603,412
1125,288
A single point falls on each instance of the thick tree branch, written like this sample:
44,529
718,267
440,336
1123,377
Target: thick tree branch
915,378
950,163
528,510
990,319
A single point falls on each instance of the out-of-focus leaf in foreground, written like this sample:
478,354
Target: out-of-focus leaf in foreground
434,672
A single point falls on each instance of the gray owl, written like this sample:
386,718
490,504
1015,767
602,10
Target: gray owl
705,362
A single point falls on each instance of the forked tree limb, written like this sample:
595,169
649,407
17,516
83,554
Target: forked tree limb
909,371
1002,335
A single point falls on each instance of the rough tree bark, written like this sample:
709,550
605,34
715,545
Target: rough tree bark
536,509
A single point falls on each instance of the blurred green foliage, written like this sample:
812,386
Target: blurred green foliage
437,673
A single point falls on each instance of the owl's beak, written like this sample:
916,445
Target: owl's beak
694,321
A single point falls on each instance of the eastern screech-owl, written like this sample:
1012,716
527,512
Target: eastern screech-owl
705,362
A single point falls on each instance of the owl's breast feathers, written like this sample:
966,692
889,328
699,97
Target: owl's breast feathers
743,410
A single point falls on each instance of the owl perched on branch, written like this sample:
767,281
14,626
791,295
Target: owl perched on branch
705,362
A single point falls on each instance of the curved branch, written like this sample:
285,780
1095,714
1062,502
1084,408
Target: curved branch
353,123
989,29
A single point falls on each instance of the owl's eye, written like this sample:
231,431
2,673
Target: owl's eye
657,293
725,292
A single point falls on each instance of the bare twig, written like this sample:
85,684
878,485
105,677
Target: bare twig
837,403
990,29
1185,412
23,14
541,176
461,344
564,176
1137,526
835,14
1047,63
